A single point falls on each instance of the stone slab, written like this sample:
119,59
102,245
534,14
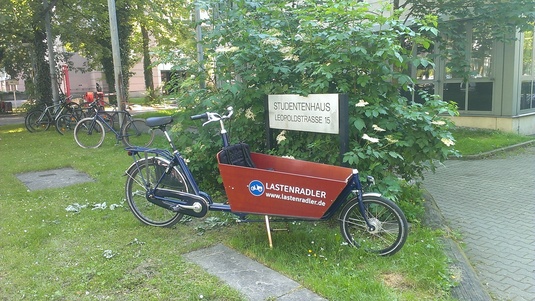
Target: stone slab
54,178
254,280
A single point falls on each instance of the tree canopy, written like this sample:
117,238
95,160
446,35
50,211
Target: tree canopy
83,27
499,18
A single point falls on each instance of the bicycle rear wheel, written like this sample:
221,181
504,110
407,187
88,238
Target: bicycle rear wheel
141,176
390,224
89,133
34,122
137,133
27,120
66,123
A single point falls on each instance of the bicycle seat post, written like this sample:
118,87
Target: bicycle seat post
163,128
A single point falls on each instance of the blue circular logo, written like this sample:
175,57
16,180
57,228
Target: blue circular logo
256,188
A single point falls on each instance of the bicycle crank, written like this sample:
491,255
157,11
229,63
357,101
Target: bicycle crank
183,202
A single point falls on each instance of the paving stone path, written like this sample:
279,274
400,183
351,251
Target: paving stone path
491,203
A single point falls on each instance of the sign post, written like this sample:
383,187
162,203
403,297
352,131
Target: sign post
318,113
13,83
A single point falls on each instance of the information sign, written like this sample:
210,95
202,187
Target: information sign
317,113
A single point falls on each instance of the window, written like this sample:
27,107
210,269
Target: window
424,75
527,85
481,55
469,70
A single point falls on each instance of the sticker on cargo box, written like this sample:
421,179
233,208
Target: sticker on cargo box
256,188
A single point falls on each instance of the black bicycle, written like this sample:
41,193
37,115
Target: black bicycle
91,131
40,119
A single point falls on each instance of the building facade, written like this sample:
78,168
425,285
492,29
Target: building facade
500,91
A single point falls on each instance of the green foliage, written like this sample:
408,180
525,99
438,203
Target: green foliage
497,18
152,96
493,20
403,141
260,48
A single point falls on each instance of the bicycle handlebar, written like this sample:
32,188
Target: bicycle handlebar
201,116
211,117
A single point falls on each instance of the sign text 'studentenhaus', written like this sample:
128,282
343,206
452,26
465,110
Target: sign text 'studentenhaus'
315,113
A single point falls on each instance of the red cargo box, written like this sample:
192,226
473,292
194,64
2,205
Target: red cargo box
283,187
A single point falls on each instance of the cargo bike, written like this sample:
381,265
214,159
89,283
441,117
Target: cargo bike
160,190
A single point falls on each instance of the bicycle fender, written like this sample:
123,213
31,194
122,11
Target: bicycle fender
371,194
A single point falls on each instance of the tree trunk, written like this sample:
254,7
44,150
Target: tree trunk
147,68
41,76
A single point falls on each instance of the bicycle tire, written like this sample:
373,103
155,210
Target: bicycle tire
66,123
137,133
26,120
391,227
89,133
138,183
34,123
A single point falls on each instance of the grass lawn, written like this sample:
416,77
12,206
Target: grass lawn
50,253
470,141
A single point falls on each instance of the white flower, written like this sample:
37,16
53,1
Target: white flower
438,122
447,142
370,139
390,139
377,128
291,57
286,50
272,41
361,103
281,137
227,49
289,157
249,114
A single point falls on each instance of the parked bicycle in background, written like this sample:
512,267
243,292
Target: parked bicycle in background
40,119
91,131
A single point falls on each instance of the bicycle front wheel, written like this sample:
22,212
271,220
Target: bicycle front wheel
389,222
143,175
137,133
37,121
66,123
89,133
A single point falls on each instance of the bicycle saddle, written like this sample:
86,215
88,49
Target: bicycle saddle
158,121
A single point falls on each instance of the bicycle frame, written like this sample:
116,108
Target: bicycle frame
119,133
56,109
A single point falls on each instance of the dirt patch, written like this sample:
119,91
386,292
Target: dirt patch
396,281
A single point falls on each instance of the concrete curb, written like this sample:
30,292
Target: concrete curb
469,286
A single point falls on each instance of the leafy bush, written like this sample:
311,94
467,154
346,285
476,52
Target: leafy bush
254,49
152,96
